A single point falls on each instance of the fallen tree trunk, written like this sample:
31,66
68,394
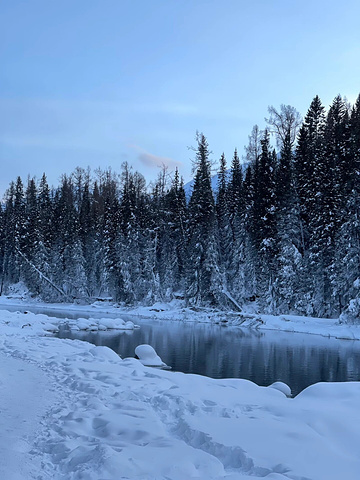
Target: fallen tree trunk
41,275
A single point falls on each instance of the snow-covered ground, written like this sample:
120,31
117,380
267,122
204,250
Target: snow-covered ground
69,410
287,323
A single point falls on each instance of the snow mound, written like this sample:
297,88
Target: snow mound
104,353
148,357
94,325
282,387
331,391
38,324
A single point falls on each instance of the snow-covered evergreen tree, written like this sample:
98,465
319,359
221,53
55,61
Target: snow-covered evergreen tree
263,221
289,261
204,279
236,235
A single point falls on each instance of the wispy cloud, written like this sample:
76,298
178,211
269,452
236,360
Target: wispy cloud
154,161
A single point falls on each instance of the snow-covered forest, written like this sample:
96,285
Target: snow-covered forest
282,230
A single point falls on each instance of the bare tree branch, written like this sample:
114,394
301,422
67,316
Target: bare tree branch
285,122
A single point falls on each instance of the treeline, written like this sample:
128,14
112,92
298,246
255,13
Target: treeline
283,230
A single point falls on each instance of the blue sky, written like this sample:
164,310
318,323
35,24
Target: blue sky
99,82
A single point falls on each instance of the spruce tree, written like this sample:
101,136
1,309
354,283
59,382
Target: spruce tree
19,228
235,197
289,261
32,235
264,220
9,253
309,156
223,213
309,160
205,282
176,242
45,212
235,266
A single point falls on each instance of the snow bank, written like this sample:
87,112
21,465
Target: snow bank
286,323
42,324
29,322
292,323
84,413
93,324
175,311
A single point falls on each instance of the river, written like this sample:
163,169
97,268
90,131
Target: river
230,352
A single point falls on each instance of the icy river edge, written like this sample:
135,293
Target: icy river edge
173,311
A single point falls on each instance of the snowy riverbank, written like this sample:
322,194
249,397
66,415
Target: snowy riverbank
175,311
73,411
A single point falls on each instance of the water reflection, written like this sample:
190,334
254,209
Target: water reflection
220,352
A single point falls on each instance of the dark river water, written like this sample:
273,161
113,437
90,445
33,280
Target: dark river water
229,352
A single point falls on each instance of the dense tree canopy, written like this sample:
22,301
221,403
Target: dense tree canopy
283,229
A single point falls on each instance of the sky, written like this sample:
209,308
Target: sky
96,83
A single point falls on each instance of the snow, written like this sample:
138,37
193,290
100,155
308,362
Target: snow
69,410
175,311
18,291
93,324
21,412
282,387
291,323
147,356
286,323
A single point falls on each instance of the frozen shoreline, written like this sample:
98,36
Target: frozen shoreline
104,417
175,312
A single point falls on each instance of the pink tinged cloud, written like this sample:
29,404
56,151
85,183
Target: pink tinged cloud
155,161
